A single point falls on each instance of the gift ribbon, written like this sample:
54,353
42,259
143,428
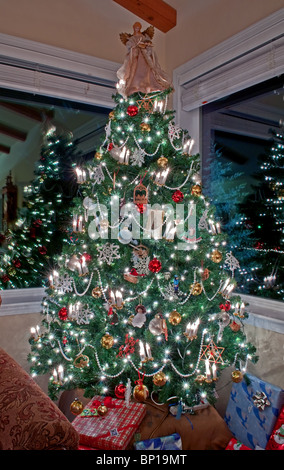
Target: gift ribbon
92,411
139,382
112,432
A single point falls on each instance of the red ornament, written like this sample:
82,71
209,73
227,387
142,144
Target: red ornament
141,208
155,265
37,223
16,263
132,110
225,306
120,391
42,250
87,257
5,278
177,196
63,313
110,146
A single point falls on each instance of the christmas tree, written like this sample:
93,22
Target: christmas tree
264,210
43,223
227,188
142,301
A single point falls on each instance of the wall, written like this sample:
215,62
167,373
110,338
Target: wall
92,26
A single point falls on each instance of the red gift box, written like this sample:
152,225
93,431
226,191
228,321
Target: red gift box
236,445
276,440
113,431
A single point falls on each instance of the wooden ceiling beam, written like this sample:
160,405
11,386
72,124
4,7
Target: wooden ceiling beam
158,13
4,149
35,114
12,132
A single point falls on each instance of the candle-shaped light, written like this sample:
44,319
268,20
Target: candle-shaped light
118,296
242,309
207,370
142,351
55,375
33,332
148,352
79,267
214,371
60,373
195,327
237,306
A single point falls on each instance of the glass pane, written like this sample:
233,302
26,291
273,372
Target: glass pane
41,140
243,171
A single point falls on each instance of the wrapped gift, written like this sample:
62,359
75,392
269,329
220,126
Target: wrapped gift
172,442
112,431
236,445
252,411
276,440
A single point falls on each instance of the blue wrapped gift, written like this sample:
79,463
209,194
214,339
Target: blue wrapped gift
171,442
252,410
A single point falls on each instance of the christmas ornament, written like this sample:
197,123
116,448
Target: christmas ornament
237,376
196,190
140,251
111,115
140,317
205,274
200,379
174,317
102,410
63,313
120,391
108,253
141,208
177,196
140,194
97,292
212,353
76,407
155,265
137,157
128,347
42,250
132,110
235,326
145,127
98,155
81,361
157,325
196,288
260,400
107,341
162,162
132,276
140,393
160,379
216,256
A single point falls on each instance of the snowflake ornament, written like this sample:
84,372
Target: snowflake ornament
141,265
108,253
97,175
63,283
137,158
82,315
202,224
173,131
232,262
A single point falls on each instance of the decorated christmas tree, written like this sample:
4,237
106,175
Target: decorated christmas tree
264,210
227,189
43,224
141,304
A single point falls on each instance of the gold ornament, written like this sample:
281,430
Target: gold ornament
107,341
162,162
111,115
140,393
12,271
237,376
97,292
98,155
174,317
196,288
160,379
102,410
76,407
196,190
145,127
81,361
200,379
216,256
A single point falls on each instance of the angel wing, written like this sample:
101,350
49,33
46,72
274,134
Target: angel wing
124,37
149,32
